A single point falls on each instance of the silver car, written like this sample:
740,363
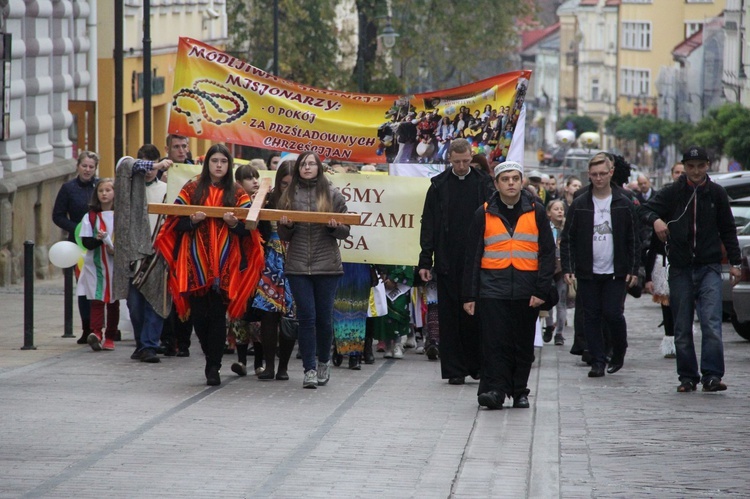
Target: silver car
741,296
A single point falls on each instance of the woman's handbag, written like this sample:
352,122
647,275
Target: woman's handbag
377,305
289,328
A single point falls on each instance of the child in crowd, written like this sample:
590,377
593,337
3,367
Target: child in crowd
556,215
97,236
243,331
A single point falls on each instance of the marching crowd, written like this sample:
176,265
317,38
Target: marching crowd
500,248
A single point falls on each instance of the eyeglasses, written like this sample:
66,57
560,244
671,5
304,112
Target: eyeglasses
598,174
311,164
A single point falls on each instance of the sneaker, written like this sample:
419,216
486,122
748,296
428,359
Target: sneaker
239,369
419,350
95,341
388,353
259,370
410,342
324,372
109,344
559,339
149,356
432,351
398,351
311,379
380,347
714,385
547,333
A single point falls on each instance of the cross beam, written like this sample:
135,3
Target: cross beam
256,212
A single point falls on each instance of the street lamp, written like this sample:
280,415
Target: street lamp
388,35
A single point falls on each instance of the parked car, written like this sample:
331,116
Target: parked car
738,174
741,211
736,187
743,236
741,297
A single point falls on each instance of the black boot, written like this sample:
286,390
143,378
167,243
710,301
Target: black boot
84,337
368,355
354,362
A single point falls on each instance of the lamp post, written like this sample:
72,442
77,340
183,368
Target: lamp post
387,36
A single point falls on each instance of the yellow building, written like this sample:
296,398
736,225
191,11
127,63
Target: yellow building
203,20
648,32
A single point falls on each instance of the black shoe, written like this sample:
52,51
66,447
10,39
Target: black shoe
687,386
432,352
213,378
547,334
149,356
457,381
369,357
586,357
266,376
491,400
596,371
169,351
559,339
282,376
714,385
521,402
136,355
161,350
337,359
354,363
239,369
183,353
83,338
614,367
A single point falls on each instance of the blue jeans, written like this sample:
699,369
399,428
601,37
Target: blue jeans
147,324
313,300
690,288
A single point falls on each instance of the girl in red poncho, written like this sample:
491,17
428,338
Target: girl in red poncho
215,263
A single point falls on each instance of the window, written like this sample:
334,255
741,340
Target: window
595,89
692,28
636,36
635,82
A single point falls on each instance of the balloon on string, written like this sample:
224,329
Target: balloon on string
64,254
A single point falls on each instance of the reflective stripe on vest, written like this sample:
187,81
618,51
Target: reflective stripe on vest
501,250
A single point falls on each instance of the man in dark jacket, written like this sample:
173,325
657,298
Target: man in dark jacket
692,216
600,249
510,262
451,201
71,204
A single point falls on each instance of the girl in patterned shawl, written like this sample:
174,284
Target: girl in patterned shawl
214,263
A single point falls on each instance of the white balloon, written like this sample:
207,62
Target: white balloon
64,254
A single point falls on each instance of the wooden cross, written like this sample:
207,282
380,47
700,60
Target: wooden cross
256,212
194,120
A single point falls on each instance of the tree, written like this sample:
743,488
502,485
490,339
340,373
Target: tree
308,39
724,131
582,124
460,42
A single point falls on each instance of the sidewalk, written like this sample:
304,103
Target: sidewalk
81,424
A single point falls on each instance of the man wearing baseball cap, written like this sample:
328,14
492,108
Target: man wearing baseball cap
510,262
692,217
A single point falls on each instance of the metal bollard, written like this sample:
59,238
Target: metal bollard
28,296
68,306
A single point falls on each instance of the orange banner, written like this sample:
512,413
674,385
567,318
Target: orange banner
221,98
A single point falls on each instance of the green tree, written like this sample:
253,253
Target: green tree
724,131
308,39
460,42
581,124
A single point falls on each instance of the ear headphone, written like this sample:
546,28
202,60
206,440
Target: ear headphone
687,205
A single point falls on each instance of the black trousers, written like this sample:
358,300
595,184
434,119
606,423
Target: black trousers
603,298
507,328
175,333
209,319
459,336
